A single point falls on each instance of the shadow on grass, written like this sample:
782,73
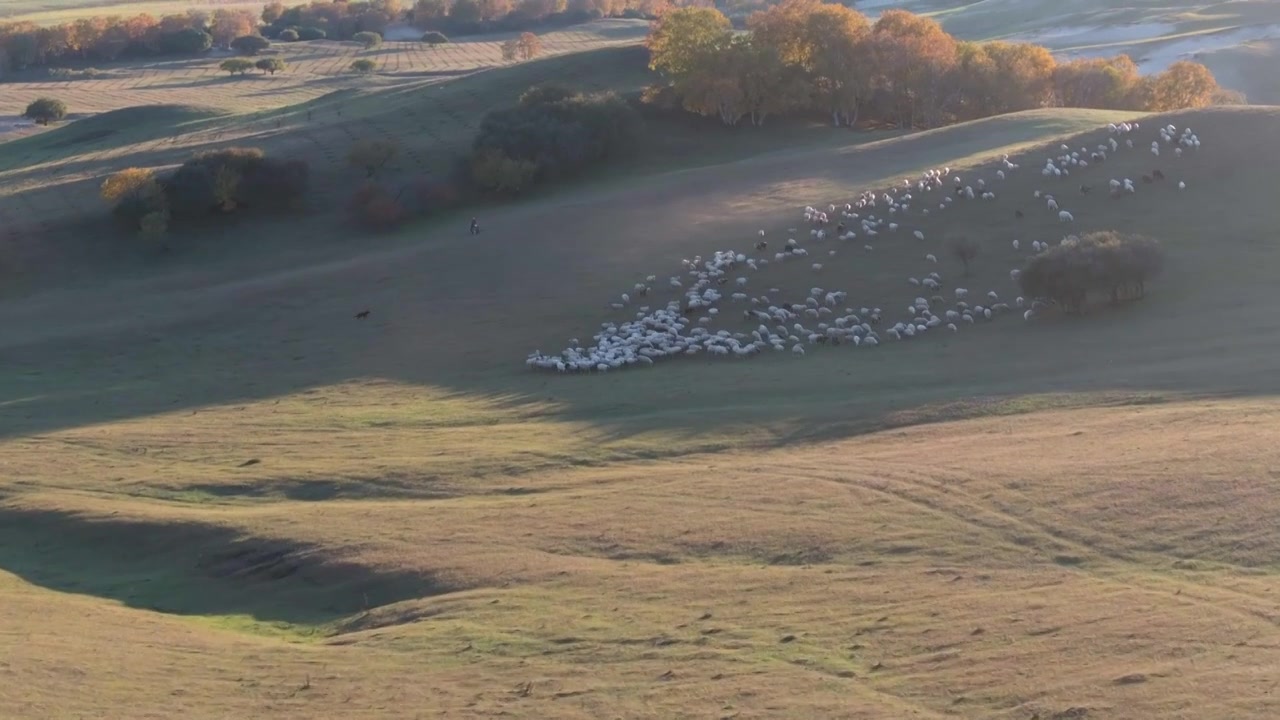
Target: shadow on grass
195,569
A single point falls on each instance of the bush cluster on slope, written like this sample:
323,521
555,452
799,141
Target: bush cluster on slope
210,185
553,133
1109,263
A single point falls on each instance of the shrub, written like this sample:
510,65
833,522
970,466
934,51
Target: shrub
288,35
1107,262
223,181
191,41
374,207
553,133
270,65
312,33
364,67
45,110
371,155
250,44
963,249
235,66
510,50
130,181
274,185
493,170
369,40
425,196
434,38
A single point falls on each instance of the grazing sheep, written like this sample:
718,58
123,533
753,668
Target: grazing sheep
1015,244
919,235
931,258
817,267
1064,216
1182,185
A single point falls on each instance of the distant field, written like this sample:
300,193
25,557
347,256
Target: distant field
49,12
271,508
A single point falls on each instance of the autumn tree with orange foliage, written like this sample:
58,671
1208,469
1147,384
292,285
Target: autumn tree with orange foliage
804,56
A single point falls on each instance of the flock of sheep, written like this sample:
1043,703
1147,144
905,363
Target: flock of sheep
684,325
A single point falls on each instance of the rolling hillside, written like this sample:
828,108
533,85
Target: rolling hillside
1060,518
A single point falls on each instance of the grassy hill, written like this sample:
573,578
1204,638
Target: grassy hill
271,507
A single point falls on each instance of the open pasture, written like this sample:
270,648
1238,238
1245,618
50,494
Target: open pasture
223,494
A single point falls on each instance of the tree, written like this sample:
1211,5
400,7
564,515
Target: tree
227,25
130,182
288,35
1184,84
913,58
528,45
250,44
272,11
510,50
364,66
191,41
963,249
235,66
371,155
682,39
434,38
45,110
271,65
829,42
311,33
1101,83
426,12
369,40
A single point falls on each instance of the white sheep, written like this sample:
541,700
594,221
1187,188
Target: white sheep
1064,216
919,235
1015,244
931,258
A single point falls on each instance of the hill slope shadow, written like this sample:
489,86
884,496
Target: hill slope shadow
195,569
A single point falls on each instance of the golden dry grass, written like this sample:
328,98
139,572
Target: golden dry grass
1124,571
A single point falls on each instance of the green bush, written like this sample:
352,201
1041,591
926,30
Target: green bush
236,66
270,65
45,110
553,133
311,33
368,39
364,67
434,38
191,41
288,35
250,44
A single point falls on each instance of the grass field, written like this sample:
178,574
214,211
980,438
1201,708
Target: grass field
224,496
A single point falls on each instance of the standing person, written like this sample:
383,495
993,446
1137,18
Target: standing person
475,227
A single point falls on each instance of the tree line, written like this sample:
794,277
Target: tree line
806,56
110,38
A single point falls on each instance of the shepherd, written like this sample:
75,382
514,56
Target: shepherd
475,227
